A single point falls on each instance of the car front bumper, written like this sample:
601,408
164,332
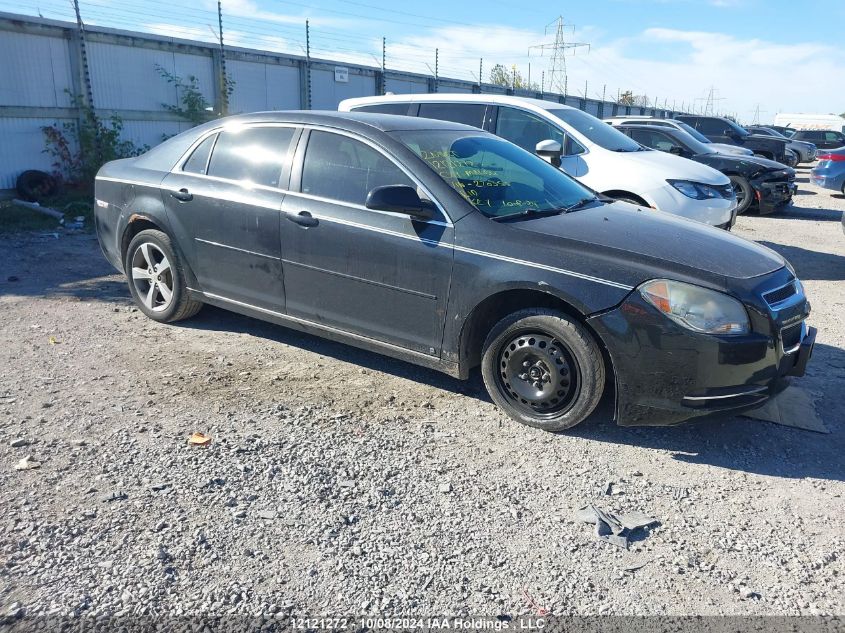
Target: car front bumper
666,374
715,212
773,194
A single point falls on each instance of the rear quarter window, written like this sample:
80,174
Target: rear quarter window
198,161
466,113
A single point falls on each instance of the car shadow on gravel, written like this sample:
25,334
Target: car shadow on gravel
219,320
749,445
810,264
806,213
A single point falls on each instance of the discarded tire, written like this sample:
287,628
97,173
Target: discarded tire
33,185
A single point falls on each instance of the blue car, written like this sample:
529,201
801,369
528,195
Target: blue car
830,172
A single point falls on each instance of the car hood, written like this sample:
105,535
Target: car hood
745,165
656,243
668,166
732,150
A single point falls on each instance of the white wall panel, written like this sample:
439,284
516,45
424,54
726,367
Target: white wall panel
34,70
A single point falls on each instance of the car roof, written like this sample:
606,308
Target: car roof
350,120
454,97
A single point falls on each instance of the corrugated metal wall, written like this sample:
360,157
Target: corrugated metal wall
39,71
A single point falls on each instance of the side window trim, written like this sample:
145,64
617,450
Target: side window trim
298,161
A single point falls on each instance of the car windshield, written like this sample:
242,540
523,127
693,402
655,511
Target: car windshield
597,131
771,132
698,136
495,176
693,144
741,131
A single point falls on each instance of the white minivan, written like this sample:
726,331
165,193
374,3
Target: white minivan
595,153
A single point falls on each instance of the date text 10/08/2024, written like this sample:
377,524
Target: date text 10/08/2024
407,623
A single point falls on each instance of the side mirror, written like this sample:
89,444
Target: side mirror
677,150
399,199
730,133
550,151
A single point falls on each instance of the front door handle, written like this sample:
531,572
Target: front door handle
183,195
303,218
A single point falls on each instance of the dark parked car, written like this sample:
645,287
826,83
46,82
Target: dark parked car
449,247
722,130
822,139
806,152
786,131
758,182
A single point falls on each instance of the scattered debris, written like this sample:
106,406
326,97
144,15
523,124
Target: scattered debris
269,515
44,210
613,529
19,442
793,407
53,340
538,609
445,487
632,568
27,463
199,439
117,495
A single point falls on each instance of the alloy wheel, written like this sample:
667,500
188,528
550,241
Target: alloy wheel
538,374
152,277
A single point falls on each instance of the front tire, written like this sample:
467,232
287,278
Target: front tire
744,193
157,278
543,369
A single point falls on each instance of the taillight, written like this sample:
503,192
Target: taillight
836,158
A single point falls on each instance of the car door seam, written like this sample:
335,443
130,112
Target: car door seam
361,279
235,248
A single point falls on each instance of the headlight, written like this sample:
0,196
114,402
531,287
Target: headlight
695,190
696,308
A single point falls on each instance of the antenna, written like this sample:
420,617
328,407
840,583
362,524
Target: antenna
557,66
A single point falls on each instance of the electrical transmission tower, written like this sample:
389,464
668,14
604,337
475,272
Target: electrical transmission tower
557,66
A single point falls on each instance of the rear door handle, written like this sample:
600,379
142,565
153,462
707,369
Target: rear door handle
183,195
303,218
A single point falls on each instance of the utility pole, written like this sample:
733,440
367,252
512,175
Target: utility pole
224,80
436,69
543,83
307,65
480,72
513,76
86,75
557,66
383,65
529,76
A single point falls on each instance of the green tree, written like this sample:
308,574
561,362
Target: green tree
501,76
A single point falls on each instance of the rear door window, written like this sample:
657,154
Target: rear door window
832,136
526,130
256,155
340,168
466,113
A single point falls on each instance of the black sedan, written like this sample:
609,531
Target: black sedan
759,183
446,246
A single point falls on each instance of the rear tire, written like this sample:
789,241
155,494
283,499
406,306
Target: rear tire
543,369
744,193
157,279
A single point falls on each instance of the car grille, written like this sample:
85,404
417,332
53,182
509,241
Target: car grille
791,336
781,294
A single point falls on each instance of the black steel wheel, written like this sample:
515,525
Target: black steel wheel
543,368
744,193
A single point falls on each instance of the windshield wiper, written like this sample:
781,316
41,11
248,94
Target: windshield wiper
546,212
580,204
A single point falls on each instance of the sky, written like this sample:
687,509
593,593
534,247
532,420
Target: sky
755,58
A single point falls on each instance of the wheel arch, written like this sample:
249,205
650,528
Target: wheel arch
621,193
138,222
493,308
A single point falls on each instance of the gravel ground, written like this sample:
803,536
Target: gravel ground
338,481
